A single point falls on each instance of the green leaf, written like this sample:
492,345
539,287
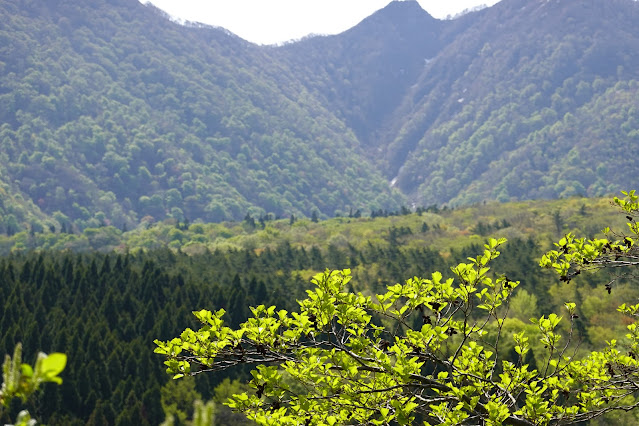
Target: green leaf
53,365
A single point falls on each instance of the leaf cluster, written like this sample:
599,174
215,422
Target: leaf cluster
21,380
350,358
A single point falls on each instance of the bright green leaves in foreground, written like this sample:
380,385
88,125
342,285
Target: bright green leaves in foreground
22,380
431,351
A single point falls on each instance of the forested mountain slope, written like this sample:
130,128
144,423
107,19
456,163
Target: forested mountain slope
534,99
364,73
110,113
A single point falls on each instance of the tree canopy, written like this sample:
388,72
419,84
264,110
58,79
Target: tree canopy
438,350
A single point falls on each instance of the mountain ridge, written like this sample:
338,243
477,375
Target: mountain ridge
414,36
113,114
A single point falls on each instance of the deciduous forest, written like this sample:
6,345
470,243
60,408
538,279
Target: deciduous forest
112,114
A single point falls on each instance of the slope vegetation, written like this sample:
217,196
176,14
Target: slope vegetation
114,115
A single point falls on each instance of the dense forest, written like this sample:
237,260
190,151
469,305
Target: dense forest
444,228
114,115
104,310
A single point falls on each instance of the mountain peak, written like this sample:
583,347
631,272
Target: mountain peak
406,15
404,3
399,8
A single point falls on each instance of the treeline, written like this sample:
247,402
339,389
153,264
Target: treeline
105,310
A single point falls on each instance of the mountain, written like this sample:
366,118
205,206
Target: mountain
112,114
534,99
363,74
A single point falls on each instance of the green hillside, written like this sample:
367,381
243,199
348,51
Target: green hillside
113,115
538,106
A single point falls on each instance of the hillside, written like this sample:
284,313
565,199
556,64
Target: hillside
114,115
364,73
533,100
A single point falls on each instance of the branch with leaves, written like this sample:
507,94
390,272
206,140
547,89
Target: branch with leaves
429,350
20,380
616,251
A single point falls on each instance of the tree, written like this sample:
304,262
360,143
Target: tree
177,399
432,350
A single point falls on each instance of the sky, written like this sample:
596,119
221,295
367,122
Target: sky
276,21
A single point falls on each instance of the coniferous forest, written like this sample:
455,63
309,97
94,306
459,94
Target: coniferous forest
104,310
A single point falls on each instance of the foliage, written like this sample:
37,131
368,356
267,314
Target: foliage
543,220
177,400
204,414
101,308
114,114
346,368
21,380
520,112
435,350
614,252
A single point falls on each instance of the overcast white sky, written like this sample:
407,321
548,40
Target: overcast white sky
273,21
